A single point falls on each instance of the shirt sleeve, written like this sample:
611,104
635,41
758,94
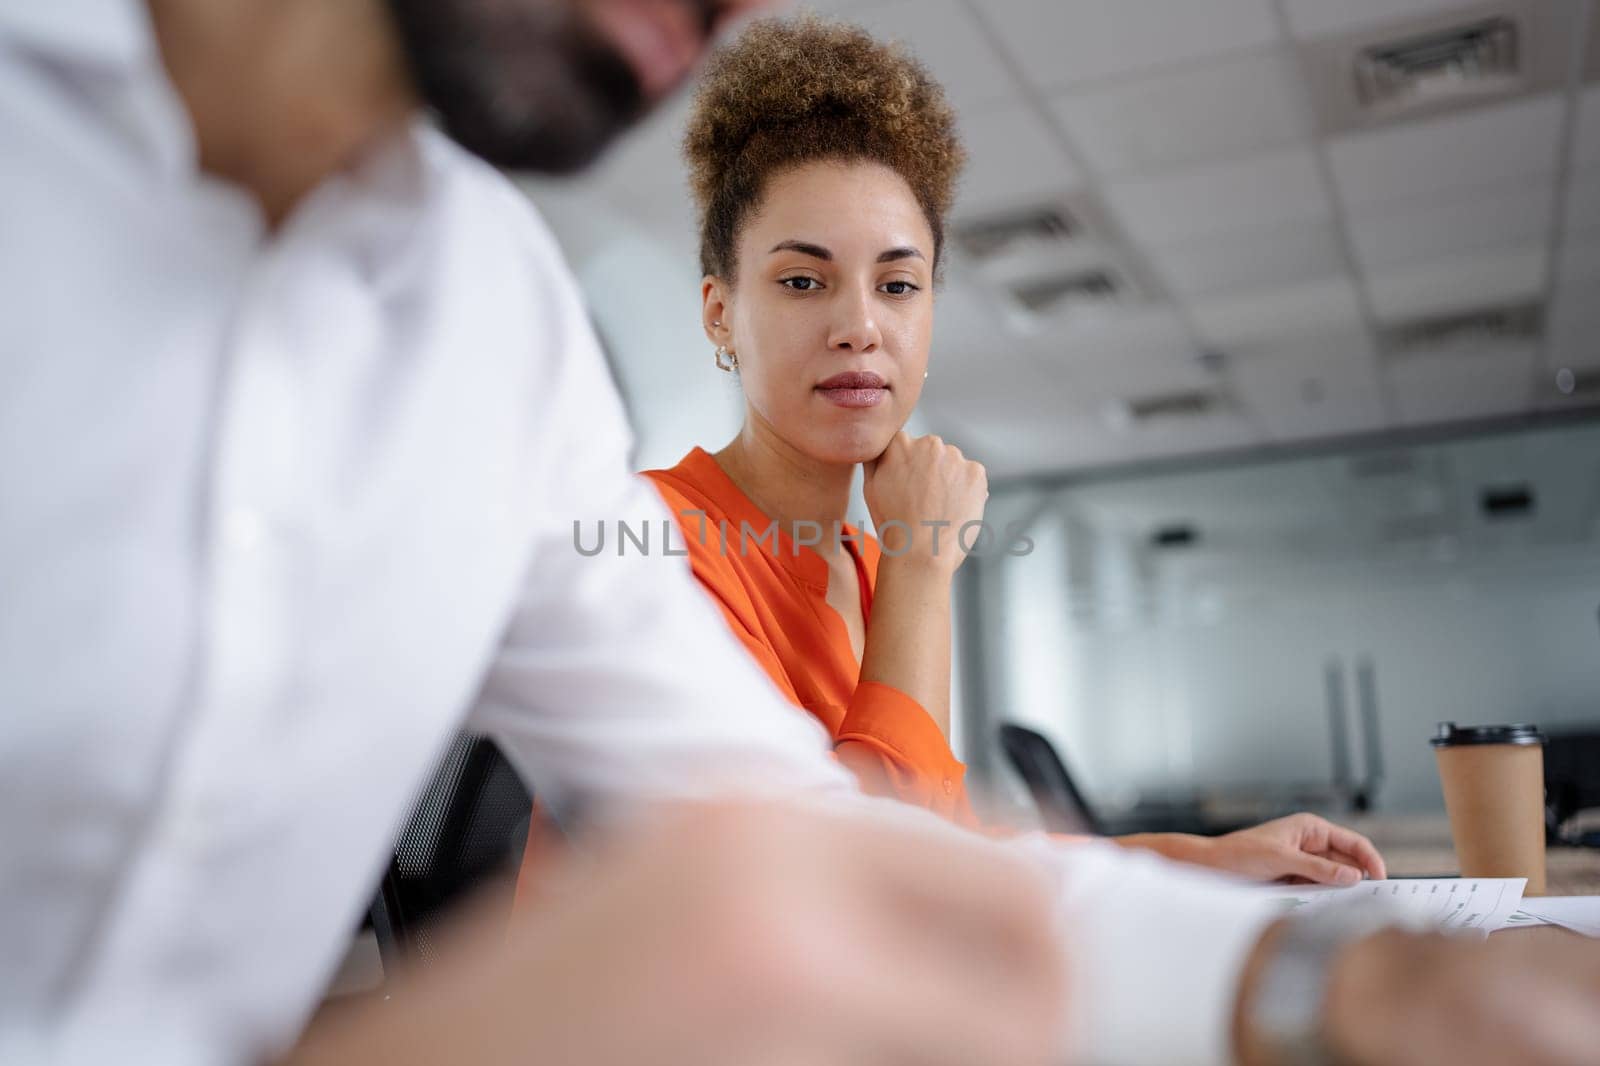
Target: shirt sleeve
892,745
618,680
1154,950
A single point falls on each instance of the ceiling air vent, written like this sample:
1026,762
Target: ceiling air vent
1049,296
1005,234
1190,403
1440,62
1497,325
1469,59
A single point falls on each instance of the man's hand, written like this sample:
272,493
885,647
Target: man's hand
1399,999
749,936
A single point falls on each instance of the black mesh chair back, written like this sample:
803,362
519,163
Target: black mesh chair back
1061,806
468,827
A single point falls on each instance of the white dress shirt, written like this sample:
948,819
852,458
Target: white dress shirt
279,513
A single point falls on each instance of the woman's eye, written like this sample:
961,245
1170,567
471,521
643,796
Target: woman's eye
800,283
899,288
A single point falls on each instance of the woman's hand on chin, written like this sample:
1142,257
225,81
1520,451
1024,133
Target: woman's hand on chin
921,492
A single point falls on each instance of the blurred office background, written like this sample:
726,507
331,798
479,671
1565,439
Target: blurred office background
1279,323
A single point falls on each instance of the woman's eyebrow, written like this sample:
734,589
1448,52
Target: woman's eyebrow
815,251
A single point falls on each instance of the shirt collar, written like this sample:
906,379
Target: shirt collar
805,563
108,33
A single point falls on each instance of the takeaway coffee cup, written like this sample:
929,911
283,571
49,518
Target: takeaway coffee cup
1493,778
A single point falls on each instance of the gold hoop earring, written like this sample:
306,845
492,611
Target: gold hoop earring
722,353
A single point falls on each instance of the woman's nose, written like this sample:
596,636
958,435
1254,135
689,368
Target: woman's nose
855,328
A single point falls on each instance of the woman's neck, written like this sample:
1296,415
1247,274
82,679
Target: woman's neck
786,484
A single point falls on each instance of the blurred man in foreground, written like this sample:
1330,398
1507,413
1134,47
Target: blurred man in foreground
300,407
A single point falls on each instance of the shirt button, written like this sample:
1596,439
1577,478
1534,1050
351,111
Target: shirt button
244,529
949,786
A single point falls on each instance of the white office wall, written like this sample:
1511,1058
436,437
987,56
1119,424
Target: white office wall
644,296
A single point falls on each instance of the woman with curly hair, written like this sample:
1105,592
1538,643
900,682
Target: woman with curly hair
823,164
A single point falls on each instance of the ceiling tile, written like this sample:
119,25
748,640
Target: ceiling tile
1514,215
1262,257
1328,306
1120,355
969,338
1012,447
1220,111
1458,283
1273,188
1110,354
1462,385
1019,415
1583,201
1013,158
1320,386
1090,365
1061,42
994,388
1574,328
1313,18
1105,379
1176,437
1586,147
1462,151
944,35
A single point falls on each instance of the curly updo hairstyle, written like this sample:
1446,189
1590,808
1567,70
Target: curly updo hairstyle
792,91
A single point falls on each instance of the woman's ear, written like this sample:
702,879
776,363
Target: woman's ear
714,297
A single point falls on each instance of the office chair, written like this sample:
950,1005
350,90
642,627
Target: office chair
1061,805
468,827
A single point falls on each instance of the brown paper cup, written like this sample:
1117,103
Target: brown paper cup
1493,778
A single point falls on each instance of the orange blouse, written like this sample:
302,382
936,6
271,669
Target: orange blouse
774,597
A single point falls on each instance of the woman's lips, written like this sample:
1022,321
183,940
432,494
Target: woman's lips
855,388
856,397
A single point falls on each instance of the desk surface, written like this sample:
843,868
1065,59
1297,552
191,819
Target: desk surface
1419,846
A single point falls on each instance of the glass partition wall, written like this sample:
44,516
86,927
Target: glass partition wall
1214,643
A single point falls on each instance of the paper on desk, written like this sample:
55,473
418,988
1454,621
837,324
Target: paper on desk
1481,904
1581,914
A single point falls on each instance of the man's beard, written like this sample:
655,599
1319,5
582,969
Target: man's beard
524,84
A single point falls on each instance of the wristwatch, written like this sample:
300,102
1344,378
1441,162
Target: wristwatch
1286,1011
